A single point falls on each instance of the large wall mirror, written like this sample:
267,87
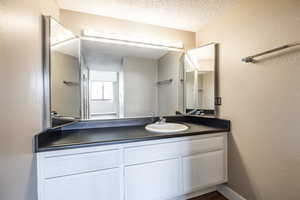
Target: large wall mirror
123,81
95,78
200,80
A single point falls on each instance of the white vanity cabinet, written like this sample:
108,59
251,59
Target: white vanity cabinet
204,163
202,170
153,181
76,174
151,170
88,186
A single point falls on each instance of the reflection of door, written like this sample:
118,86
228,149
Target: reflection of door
103,95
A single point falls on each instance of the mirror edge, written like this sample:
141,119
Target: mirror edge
46,65
217,80
46,71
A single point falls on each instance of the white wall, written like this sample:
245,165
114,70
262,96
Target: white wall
65,99
170,96
140,91
21,86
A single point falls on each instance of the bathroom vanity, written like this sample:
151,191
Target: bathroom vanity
102,96
127,162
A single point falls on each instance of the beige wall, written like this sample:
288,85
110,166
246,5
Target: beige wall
77,22
21,93
263,99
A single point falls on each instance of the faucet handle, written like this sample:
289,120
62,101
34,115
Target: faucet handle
162,120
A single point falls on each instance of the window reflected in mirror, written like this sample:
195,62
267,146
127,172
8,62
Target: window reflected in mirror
103,102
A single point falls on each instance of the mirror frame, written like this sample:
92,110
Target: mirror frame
46,72
217,99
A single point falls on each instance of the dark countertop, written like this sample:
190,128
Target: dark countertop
129,130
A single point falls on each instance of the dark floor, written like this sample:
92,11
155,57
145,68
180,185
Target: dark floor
210,196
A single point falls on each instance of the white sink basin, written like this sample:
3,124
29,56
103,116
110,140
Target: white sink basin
166,127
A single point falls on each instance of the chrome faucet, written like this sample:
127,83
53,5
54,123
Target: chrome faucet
161,120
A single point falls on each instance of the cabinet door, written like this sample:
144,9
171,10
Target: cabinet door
152,181
203,170
100,185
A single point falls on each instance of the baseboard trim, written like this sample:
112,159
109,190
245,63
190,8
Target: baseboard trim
229,193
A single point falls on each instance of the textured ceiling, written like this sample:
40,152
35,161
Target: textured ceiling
180,14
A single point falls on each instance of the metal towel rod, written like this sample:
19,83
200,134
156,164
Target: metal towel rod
250,59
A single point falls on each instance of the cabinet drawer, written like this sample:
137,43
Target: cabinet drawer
98,185
202,145
62,165
149,153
